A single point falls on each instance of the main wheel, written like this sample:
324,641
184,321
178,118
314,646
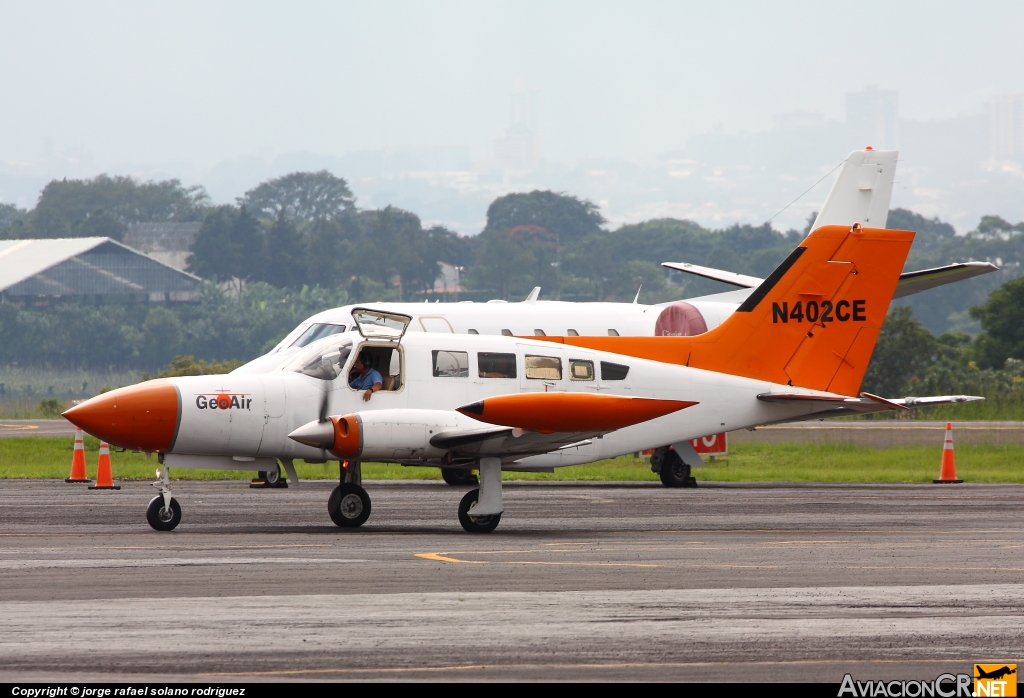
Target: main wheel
272,476
349,505
459,477
674,472
476,524
159,517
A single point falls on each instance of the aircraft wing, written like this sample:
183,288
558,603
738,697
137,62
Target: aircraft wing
509,442
910,282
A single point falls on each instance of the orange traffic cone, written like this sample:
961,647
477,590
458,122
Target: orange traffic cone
78,460
947,474
104,476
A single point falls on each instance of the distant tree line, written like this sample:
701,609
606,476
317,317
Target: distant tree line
301,244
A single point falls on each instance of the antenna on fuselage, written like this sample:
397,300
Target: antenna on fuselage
637,299
534,294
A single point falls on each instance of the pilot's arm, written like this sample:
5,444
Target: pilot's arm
371,390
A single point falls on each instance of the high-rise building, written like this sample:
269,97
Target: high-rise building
1007,126
871,116
519,148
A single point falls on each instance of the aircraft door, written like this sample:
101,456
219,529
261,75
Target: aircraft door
275,426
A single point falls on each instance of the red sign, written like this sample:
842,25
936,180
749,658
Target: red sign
714,445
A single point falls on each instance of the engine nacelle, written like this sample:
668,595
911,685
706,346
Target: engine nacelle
390,434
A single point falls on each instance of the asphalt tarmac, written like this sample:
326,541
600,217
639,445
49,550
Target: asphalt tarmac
586,582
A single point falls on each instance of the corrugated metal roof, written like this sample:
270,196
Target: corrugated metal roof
78,266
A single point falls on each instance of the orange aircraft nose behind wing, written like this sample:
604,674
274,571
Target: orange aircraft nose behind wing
141,417
551,412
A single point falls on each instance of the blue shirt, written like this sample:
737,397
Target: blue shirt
368,381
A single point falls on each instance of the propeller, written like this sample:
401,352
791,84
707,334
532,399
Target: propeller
324,406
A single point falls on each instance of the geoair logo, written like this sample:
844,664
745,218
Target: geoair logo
224,400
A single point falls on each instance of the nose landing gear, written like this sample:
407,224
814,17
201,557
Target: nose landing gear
164,512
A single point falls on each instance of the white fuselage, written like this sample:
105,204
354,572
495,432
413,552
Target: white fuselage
262,409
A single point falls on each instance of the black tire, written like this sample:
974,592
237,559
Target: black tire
272,476
349,505
476,524
158,516
459,477
674,472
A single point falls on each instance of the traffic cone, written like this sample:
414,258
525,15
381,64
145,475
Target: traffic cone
947,473
78,460
104,476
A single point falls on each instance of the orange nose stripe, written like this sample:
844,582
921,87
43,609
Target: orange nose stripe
141,417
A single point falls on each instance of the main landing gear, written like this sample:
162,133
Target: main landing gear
480,510
164,512
673,469
459,477
349,504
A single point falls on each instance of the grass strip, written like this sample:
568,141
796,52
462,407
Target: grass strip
39,458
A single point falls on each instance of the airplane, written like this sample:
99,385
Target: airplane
996,673
861,194
796,349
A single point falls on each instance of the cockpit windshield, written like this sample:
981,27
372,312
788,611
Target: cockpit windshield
323,359
316,331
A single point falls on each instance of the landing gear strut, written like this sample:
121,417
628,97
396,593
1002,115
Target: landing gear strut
164,512
480,510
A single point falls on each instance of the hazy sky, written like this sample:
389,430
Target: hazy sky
199,82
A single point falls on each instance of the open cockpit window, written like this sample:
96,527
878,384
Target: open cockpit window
317,331
323,359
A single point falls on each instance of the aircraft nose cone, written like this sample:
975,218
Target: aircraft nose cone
318,434
141,417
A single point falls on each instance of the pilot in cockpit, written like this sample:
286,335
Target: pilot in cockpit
366,377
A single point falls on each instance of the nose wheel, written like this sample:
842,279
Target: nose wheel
349,505
161,517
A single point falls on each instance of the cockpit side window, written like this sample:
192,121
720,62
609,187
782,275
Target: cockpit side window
316,331
323,359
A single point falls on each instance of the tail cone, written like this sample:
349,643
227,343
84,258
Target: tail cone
104,476
78,460
947,474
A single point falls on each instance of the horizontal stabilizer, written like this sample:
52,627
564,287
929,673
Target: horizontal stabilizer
729,277
912,282
837,405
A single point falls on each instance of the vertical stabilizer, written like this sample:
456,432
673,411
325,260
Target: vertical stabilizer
862,191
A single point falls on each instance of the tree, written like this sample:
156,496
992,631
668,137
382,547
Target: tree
285,264
330,253
905,349
301,196
230,244
101,223
65,207
566,217
1002,319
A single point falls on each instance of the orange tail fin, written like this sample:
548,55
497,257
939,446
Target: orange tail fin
813,323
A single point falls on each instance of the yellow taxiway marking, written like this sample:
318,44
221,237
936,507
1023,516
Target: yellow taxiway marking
445,557
19,427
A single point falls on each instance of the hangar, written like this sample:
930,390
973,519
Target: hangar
95,269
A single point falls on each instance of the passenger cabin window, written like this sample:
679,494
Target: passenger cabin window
451,364
580,370
496,365
613,333
539,333
613,372
472,331
317,331
544,367
572,333
324,359
507,333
